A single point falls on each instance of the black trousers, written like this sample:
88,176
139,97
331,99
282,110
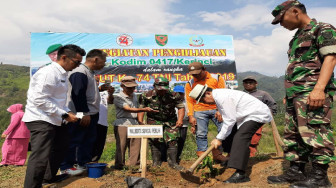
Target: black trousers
58,151
98,146
181,141
48,143
238,142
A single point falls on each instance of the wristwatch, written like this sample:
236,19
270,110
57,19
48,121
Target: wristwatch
65,115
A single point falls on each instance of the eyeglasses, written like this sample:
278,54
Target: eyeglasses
76,62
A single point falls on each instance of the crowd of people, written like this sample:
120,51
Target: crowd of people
65,117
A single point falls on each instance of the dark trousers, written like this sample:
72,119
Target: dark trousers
180,144
47,151
181,141
98,146
80,144
58,151
241,139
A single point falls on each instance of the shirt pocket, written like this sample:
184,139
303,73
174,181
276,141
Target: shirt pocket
61,86
303,50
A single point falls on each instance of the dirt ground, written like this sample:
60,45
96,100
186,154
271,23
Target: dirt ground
259,168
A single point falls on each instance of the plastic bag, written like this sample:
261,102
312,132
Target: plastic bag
138,182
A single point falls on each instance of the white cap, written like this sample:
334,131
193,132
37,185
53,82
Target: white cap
197,92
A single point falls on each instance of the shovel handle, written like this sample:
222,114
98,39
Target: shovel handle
193,166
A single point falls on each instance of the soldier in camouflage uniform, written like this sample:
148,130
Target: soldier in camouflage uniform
165,101
310,86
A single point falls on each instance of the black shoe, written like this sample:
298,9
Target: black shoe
224,164
238,177
295,173
318,177
57,178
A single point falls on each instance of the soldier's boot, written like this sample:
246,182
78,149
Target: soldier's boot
295,173
172,155
318,177
156,156
219,158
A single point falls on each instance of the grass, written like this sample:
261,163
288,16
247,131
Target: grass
266,146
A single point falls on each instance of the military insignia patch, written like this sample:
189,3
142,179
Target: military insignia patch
161,40
327,35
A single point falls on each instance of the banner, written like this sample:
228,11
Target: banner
145,56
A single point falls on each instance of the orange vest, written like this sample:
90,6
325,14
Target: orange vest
212,82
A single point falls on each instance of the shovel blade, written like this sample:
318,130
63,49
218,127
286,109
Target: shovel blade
187,175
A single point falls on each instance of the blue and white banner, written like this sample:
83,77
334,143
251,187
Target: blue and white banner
146,56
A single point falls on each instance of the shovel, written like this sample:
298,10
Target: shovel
188,174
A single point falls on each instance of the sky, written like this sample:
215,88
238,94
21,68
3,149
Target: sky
259,46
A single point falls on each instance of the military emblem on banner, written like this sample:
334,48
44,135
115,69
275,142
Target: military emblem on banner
161,40
196,41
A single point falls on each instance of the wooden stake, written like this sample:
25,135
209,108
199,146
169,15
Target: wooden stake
277,140
143,156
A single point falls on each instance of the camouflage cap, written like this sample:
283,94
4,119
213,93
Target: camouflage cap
161,83
195,67
280,10
53,48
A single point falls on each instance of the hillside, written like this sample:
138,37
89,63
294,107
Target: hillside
273,85
14,82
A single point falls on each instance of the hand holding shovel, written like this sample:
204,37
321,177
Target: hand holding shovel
188,174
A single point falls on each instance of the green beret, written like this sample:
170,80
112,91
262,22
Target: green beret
280,10
53,48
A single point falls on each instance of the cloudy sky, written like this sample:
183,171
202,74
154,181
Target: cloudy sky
259,46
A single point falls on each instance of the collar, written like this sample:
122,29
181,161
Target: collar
124,95
308,27
88,68
208,75
59,67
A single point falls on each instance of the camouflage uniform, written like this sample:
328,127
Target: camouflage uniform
308,132
166,116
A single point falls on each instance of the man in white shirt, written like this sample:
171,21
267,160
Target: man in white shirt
236,107
45,110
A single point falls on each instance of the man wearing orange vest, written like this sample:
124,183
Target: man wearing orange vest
200,113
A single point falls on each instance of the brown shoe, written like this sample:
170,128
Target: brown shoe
219,158
199,153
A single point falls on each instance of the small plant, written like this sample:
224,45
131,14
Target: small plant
207,163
